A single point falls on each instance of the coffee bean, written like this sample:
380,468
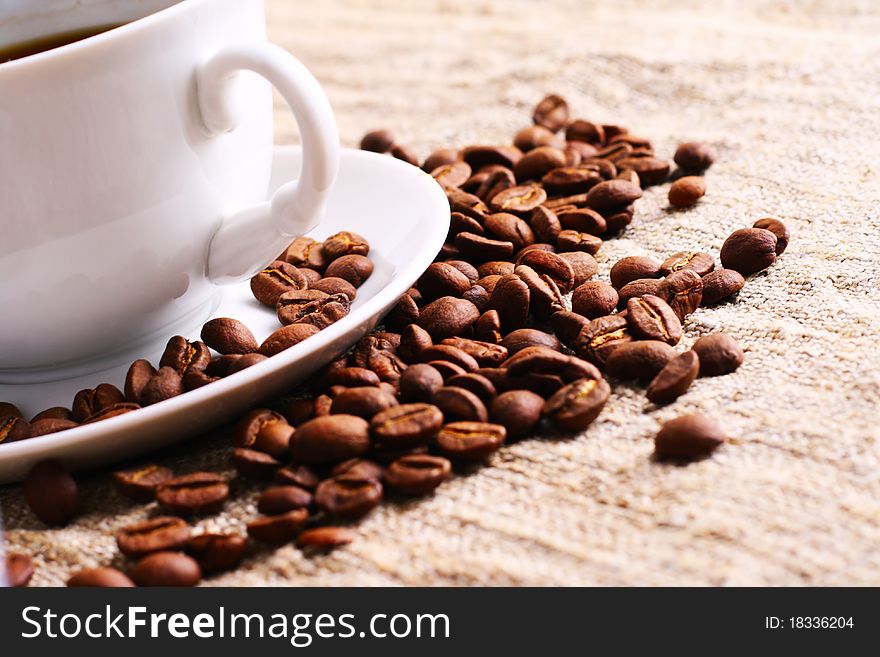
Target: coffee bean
700,262
442,280
311,275
333,285
777,228
139,374
481,249
509,228
629,175
467,204
345,243
251,463
193,494
166,569
11,410
574,240
567,325
481,155
406,154
446,369
286,337
488,283
612,194
570,180
276,279
89,401
475,383
404,313
582,264
325,537
470,441
749,250
13,428
719,354
53,413
101,577
488,327
51,493
510,299
582,220
152,535
413,340
486,354
106,414
304,252
229,336
534,136
353,268
688,437
407,425
497,179
562,203
543,361
448,316
419,383
683,291
418,474
350,377
139,484
279,528
281,499
164,384
594,299
263,430
521,200
545,298
550,264
650,170
450,354
330,439
544,224
49,426
465,268
359,468
518,411
685,192
216,553
516,341
674,379
585,131
300,475
601,337
458,404
641,360
551,113
694,156
377,141
363,402
578,404
348,497
19,568
650,318
302,307
537,162
438,158
721,284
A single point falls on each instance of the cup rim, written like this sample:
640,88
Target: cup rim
136,25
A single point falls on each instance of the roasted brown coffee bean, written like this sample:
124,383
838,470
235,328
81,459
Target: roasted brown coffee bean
418,474
594,299
651,170
475,383
613,194
651,318
193,494
721,284
477,295
407,425
719,354
305,252
580,130
451,354
601,337
629,175
617,221
545,297
165,384
516,341
458,404
51,493
347,496
470,441
578,404
573,240
353,268
49,426
251,463
446,368
567,325
229,336
777,228
465,268
540,360
101,577
263,430
375,341
488,283
685,192
448,316
481,249
749,250
106,414
10,410
14,428
582,220
545,224
286,337
551,264
295,410
683,291
485,354
325,537
166,569
363,402
509,228
674,379
567,202
359,468
139,484
405,153
537,162
404,313
413,339
534,136
510,299
467,204
694,156
89,401
631,268
19,568
294,308
139,374
570,180
640,360
497,179
311,275
377,141
281,499
480,156
700,262
442,280
419,383
488,327
330,439
345,243
276,279
520,200
54,413
152,535
584,150
551,113
438,158
518,411
216,553
184,356
582,264
688,437
642,286
333,285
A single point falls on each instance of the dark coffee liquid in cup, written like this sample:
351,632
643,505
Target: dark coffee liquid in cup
50,42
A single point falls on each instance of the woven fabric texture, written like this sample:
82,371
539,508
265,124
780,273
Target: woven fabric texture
787,92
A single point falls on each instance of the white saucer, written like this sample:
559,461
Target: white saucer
404,215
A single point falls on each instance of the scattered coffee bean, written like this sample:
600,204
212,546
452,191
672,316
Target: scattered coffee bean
518,411
694,156
287,337
450,354
749,250
640,360
345,243
458,404
140,484
51,492
419,383
299,475
601,337
551,113
688,437
164,384
418,474
216,553
594,299
276,279
612,195
281,499
407,425
377,141
330,439
101,577
305,252
166,569
651,318
700,262
153,535
685,192
14,428
325,537
719,354
475,383
364,402
721,284
683,291
470,441
19,568
674,379
251,463
631,268
54,413
229,336
88,402
49,426
193,494
355,269
777,228
578,404
348,497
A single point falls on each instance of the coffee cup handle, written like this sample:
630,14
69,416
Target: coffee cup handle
252,237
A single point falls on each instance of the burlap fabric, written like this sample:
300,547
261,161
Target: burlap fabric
788,94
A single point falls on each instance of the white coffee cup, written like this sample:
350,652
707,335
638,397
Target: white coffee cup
134,168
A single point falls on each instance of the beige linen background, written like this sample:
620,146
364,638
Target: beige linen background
789,93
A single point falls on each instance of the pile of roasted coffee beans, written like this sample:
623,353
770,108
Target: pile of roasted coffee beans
506,332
